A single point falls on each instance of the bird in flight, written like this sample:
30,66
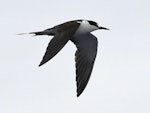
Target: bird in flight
79,32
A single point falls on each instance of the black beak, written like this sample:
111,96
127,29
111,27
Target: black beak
103,28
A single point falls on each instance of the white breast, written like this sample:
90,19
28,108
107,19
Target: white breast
85,27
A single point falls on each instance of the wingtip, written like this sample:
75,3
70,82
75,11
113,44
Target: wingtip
78,94
41,63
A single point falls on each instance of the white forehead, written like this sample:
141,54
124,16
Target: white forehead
85,27
83,22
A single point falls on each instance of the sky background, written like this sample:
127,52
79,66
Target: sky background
120,81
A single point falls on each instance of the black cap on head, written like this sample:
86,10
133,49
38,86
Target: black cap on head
93,23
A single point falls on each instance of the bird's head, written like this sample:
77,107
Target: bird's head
88,26
96,26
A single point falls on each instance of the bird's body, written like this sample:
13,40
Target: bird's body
78,32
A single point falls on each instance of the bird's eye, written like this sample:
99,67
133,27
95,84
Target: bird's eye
93,23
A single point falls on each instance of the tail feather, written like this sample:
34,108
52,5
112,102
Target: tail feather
38,33
50,31
22,33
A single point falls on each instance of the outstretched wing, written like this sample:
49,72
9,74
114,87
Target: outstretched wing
54,46
59,40
84,57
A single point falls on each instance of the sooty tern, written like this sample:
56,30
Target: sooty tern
78,31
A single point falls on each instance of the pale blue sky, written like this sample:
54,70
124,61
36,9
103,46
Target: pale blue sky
120,79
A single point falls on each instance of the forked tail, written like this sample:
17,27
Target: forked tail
50,31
